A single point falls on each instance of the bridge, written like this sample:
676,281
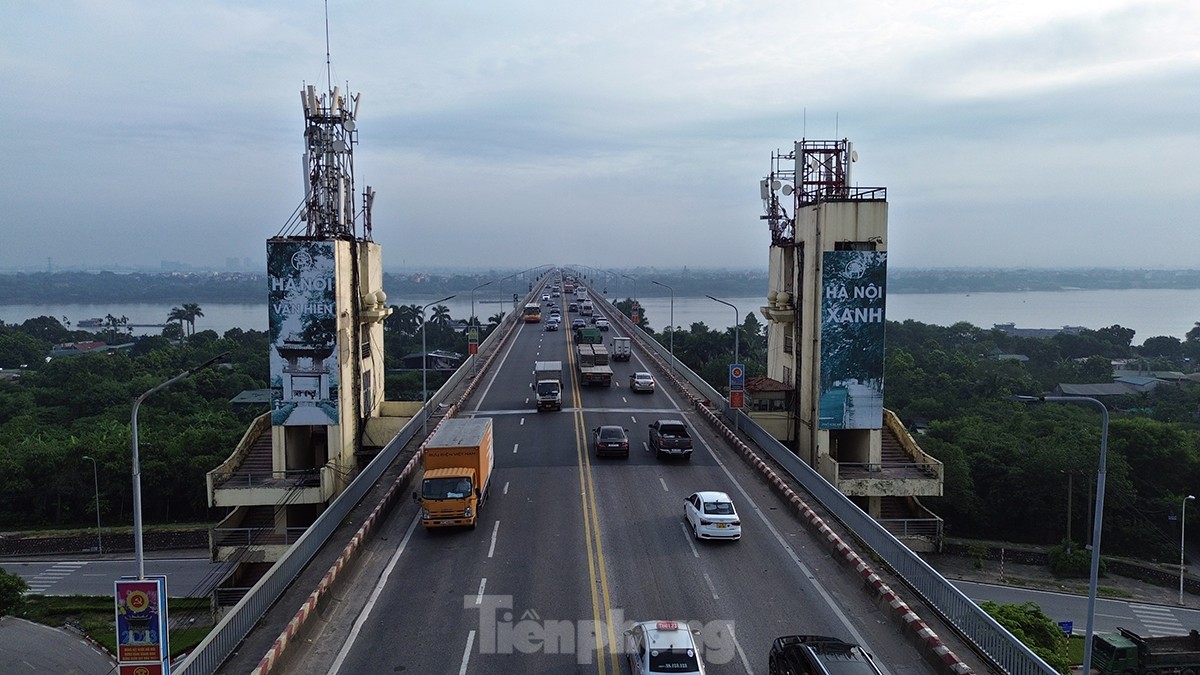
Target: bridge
571,548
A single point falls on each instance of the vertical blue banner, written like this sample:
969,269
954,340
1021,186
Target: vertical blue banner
854,290
302,307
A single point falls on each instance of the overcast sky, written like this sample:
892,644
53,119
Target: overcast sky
613,134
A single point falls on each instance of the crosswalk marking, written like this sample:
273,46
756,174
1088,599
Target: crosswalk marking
1158,620
52,575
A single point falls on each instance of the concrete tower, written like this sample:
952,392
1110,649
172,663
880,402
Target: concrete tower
825,324
326,311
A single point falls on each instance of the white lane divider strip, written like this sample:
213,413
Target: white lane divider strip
495,530
711,588
479,595
664,484
462,670
515,446
505,487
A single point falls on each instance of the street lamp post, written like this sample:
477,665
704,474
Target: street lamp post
137,469
475,357
658,283
425,367
1098,518
737,320
1182,529
96,481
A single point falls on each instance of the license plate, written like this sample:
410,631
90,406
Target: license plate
721,526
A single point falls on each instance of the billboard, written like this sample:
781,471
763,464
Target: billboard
854,285
142,620
302,307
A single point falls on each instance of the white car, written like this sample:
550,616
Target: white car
641,381
711,516
659,647
545,297
602,324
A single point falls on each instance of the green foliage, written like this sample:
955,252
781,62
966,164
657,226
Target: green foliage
12,593
81,405
1072,560
1034,629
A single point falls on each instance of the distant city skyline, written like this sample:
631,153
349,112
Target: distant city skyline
1015,133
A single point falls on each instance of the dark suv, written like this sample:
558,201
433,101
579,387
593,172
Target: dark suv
819,655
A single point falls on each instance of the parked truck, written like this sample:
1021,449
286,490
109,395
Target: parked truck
592,372
1127,652
547,385
620,349
458,467
670,438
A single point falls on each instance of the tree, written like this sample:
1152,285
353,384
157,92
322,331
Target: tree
12,593
441,315
1029,624
192,312
496,319
178,314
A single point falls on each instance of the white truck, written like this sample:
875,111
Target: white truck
620,349
586,308
547,385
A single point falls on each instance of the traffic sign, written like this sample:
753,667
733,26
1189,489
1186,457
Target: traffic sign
737,377
737,399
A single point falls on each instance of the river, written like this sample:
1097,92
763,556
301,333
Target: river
1150,312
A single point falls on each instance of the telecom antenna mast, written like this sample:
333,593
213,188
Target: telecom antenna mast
330,133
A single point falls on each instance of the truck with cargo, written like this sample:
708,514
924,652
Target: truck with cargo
588,335
670,437
1127,652
547,385
459,459
591,370
620,349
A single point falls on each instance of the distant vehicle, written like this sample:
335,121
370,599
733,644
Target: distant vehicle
670,437
547,384
610,440
660,647
551,324
573,307
577,323
592,363
641,381
818,655
533,313
585,307
545,297
556,294
620,349
602,324
711,516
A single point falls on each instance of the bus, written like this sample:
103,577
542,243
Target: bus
533,313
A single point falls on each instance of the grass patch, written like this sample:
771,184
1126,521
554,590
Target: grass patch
95,615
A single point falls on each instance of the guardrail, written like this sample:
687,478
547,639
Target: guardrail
241,618
972,623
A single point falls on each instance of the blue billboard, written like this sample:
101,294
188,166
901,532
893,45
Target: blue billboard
853,291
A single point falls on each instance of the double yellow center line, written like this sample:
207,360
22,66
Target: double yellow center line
604,632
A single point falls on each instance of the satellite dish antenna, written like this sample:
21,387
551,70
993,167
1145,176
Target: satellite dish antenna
348,125
787,190
339,145
775,185
853,155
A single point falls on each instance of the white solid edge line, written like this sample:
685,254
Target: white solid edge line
366,610
495,530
